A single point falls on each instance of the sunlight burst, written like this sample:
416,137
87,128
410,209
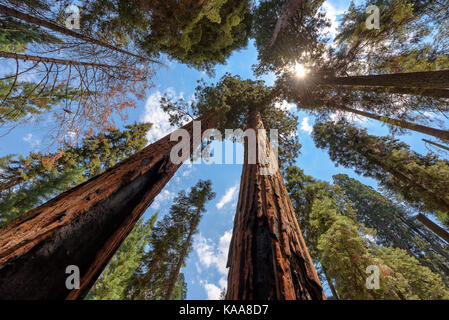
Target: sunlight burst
300,71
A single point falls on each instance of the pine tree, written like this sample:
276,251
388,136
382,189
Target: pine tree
246,104
170,244
345,247
395,225
420,180
117,198
114,280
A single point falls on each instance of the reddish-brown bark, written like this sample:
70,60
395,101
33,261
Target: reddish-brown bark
268,258
443,234
83,226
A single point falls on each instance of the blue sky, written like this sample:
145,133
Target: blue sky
205,269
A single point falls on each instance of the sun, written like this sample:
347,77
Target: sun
300,71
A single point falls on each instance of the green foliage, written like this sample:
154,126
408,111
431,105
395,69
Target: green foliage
344,247
395,225
28,182
423,181
24,98
112,283
230,100
169,246
15,36
197,33
300,41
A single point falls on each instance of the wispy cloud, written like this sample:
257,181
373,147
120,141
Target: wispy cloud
211,254
228,197
153,113
33,142
162,197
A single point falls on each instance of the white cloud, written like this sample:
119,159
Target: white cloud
349,116
331,13
305,125
161,198
34,143
214,255
153,113
213,292
285,105
228,197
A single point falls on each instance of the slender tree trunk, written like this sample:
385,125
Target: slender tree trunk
443,234
55,27
268,258
425,80
26,57
331,284
431,93
437,144
84,226
174,274
441,134
436,247
288,10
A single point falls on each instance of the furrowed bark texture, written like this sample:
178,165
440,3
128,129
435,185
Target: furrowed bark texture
83,226
268,258
426,80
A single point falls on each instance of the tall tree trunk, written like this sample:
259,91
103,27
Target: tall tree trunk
436,247
55,27
443,234
174,274
26,57
441,134
437,144
289,8
268,258
431,93
425,80
331,284
84,226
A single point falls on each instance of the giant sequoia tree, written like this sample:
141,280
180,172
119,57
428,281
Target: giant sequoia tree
268,258
85,225
28,182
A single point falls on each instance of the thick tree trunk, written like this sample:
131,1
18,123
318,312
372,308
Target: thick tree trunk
443,234
53,26
441,134
268,258
425,80
174,274
26,57
437,144
83,226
